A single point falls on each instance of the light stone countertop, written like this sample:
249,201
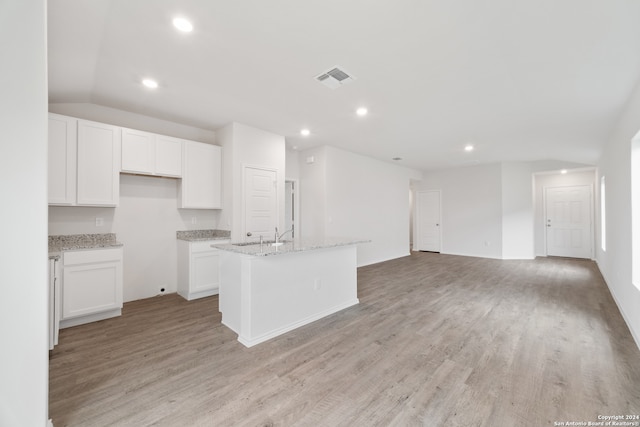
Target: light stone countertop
70,242
203,235
288,246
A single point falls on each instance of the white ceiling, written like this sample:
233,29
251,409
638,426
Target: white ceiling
522,80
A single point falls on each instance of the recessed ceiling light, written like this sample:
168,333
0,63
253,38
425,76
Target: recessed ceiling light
150,83
183,25
305,132
362,111
468,147
563,171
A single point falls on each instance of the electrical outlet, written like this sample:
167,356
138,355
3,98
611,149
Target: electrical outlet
194,220
99,222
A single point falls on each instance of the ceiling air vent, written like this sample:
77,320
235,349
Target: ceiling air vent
334,78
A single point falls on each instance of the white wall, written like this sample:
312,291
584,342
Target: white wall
292,167
555,179
248,146
349,195
146,222
471,206
615,263
313,192
517,211
147,217
496,204
23,188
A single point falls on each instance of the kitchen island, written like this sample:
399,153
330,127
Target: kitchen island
267,290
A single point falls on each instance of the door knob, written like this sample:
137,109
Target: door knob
249,234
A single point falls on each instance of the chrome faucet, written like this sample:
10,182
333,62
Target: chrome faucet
279,236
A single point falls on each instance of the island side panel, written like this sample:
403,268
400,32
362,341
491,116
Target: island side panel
291,290
229,291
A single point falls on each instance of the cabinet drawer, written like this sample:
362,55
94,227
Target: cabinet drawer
92,256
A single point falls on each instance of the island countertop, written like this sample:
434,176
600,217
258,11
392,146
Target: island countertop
288,246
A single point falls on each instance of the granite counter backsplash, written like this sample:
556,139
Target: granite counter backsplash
196,235
82,241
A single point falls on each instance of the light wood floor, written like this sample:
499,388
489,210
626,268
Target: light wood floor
436,340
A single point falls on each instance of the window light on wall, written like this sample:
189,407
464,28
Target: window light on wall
635,210
603,214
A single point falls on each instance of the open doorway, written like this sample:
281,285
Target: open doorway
428,214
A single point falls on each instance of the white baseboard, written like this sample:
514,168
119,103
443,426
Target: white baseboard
634,334
81,320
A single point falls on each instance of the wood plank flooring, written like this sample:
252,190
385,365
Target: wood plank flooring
436,340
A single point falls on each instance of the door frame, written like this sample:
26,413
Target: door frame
417,242
243,208
591,213
296,204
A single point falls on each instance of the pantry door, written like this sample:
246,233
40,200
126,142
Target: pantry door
568,221
428,221
260,203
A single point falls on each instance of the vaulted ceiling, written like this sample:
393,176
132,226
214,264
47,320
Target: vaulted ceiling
520,80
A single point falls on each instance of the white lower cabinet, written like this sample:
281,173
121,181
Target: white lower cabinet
91,285
198,268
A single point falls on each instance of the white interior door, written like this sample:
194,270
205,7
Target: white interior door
428,220
568,221
260,203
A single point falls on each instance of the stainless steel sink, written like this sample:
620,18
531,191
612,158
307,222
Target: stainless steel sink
264,242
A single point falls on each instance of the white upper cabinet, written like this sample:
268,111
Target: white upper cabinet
150,154
62,160
168,156
98,164
201,176
86,158
138,151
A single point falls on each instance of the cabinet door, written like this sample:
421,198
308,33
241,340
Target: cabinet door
168,160
201,177
91,288
204,271
138,151
98,164
62,160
